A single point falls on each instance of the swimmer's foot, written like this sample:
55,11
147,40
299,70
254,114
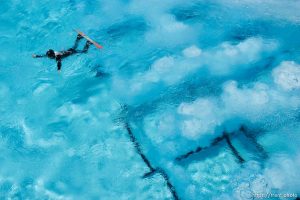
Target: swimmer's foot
79,37
88,43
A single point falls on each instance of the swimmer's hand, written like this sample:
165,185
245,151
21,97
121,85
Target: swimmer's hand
34,56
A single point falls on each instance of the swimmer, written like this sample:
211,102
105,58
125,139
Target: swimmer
59,55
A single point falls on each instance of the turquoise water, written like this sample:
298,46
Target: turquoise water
187,100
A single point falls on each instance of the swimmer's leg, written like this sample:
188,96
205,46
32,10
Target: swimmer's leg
85,48
78,38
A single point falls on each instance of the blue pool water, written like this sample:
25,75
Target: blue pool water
187,100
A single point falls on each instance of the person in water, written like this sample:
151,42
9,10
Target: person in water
59,55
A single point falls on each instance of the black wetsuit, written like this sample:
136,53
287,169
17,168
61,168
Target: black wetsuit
59,55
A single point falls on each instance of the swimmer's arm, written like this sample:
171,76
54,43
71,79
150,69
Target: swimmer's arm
58,60
38,56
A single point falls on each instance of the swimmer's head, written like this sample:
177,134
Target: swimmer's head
50,53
